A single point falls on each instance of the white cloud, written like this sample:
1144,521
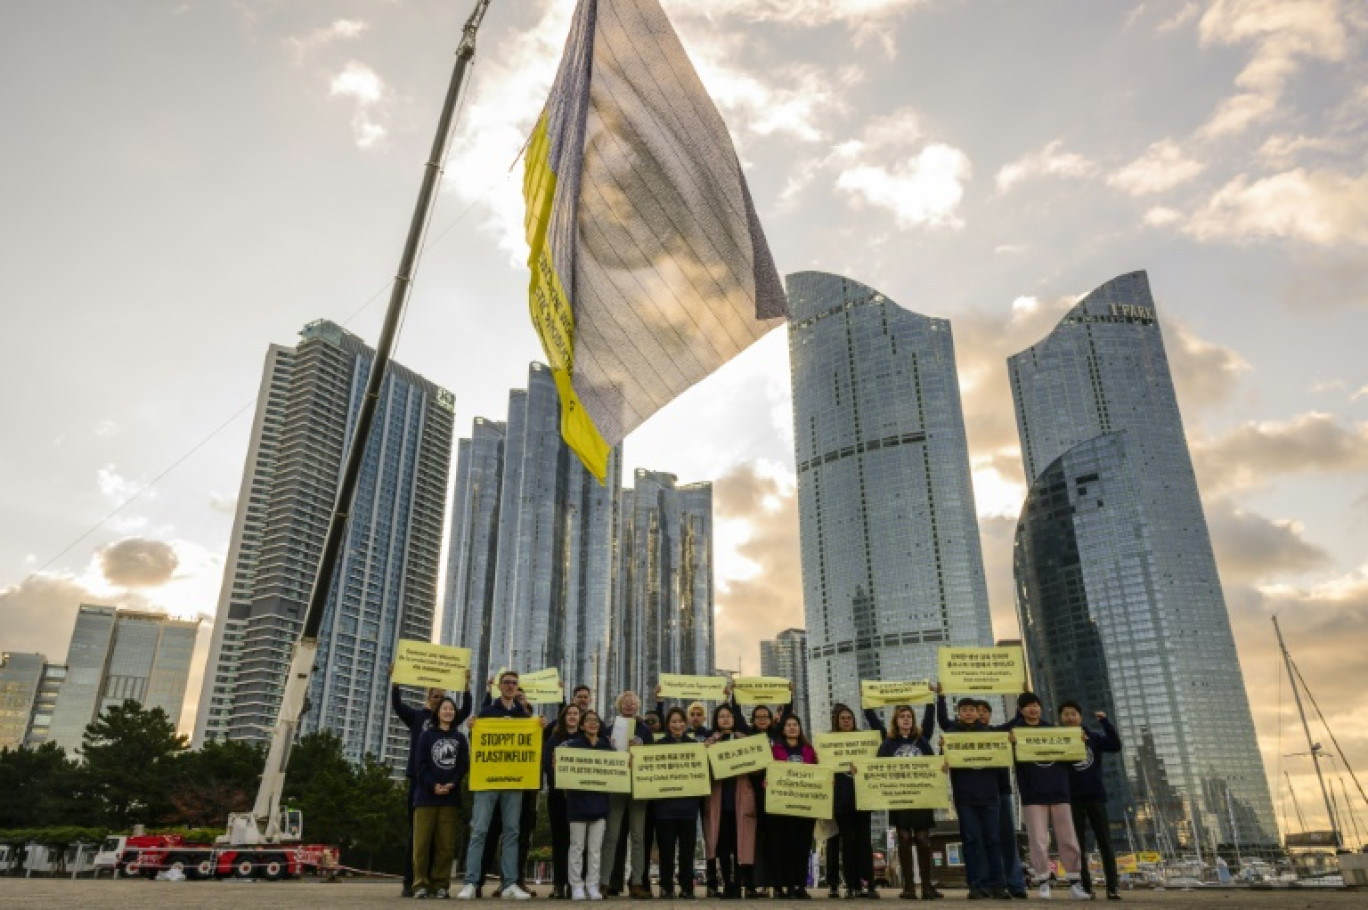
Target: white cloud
339,30
1184,15
104,429
922,191
117,488
1161,167
1051,161
1281,149
1161,215
1319,207
368,93
1283,32
1361,393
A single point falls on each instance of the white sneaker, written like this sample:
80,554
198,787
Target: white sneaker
466,893
1078,893
594,894
1045,890
577,892
513,892
420,894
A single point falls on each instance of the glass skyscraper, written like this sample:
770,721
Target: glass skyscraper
529,580
785,656
385,586
1117,590
892,564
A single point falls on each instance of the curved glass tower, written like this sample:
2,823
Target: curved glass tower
1120,603
892,564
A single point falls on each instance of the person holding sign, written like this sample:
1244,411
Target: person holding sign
762,723
1044,790
675,819
791,836
508,803
588,814
627,730
443,759
906,740
729,816
975,792
850,845
1088,793
1007,827
566,728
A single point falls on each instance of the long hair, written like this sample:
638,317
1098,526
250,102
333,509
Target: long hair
802,735
561,731
718,710
836,711
436,713
893,723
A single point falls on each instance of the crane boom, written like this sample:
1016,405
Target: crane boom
263,823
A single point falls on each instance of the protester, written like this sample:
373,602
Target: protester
508,803
729,816
975,792
906,740
566,728
443,759
1008,846
791,836
1045,804
627,730
588,814
850,846
675,819
1088,794
527,815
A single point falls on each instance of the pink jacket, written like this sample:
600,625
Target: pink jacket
745,820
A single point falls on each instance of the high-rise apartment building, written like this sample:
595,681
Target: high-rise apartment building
530,568
662,620
892,563
1117,590
20,677
117,655
785,656
385,584
45,704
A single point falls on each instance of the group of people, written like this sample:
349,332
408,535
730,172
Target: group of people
602,843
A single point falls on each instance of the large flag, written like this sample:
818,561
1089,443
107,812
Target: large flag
649,267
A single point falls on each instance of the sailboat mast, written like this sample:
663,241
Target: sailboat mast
1313,746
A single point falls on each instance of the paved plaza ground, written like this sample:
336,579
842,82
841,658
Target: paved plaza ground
137,894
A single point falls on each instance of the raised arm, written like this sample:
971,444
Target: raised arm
928,724
410,716
875,721
462,710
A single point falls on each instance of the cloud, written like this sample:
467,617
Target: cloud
117,488
1184,15
867,20
39,612
138,563
303,46
223,502
1051,161
1283,33
1161,167
1321,207
104,429
1327,279
1280,150
1205,374
368,93
1252,454
759,584
1252,548
1161,216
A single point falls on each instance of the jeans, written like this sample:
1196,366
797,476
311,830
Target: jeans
982,852
509,805
1011,851
1093,813
586,846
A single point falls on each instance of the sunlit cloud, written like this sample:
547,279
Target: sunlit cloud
1050,161
367,92
1162,167
301,47
1318,207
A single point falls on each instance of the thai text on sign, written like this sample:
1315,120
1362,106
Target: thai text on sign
792,788
668,771
505,753
982,671
692,688
734,757
1043,744
761,690
597,770
901,783
420,663
836,750
876,694
977,750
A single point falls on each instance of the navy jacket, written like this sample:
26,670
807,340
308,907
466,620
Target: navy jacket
443,758
675,808
419,719
971,786
549,744
904,747
1085,778
1041,783
586,805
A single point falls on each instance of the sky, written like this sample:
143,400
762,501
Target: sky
184,183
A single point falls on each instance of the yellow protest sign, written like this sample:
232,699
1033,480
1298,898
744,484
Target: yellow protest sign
982,671
761,690
1043,744
669,771
876,694
793,788
419,663
977,750
837,749
901,783
593,769
692,688
541,688
505,753
735,757
1152,858
1127,863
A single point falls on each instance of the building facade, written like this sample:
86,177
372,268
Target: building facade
785,656
530,570
385,586
115,656
1117,589
20,677
892,563
662,618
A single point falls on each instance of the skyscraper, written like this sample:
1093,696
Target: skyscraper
892,564
786,657
1117,590
117,655
530,569
385,585
662,620
20,677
